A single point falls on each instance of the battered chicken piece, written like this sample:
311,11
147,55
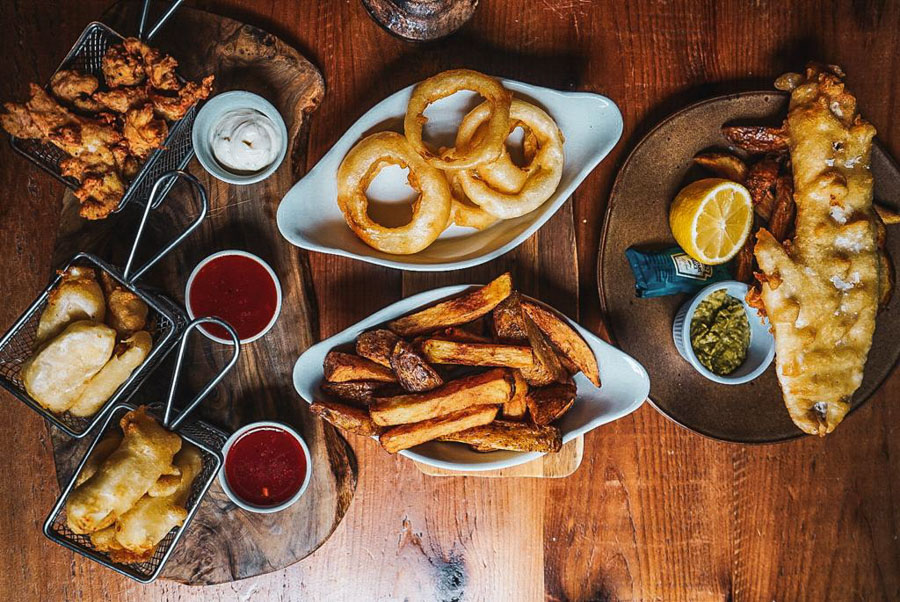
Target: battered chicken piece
144,132
159,67
75,88
18,122
174,108
100,195
46,113
127,312
122,67
821,291
122,99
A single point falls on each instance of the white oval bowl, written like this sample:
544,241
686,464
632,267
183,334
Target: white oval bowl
625,387
209,116
257,259
223,478
309,217
762,343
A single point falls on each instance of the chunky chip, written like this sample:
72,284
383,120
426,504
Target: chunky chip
513,436
566,339
547,404
343,367
412,370
477,354
348,418
409,435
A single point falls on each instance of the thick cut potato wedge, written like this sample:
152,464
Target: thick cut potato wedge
348,418
409,435
566,339
465,308
723,165
377,345
344,367
547,404
477,354
413,371
546,368
460,335
761,184
784,209
493,387
507,321
514,436
358,392
515,408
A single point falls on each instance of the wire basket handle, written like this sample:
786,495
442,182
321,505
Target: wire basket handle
204,208
176,374
162,20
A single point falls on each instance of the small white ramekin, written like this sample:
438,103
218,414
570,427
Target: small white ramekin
268,268
762,343
209,116
223,478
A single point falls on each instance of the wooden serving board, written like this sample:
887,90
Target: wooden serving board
225,543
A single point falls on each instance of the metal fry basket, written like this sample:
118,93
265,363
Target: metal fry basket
86,56
165,320
208,439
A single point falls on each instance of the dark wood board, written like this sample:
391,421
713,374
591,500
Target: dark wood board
638,216
225,543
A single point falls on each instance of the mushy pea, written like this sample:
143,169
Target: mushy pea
720,333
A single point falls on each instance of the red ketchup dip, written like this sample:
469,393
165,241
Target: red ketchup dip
237,289
265,466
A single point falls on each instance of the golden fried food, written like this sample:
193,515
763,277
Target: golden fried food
159,67
103,384
344,367
377,345
100,195
491,387
757,138
175,107
546,404
438,351
514,436
502,189
356,392
122,99
77,297
144,525
143,131
101,452
413,371
515,408
345,417
59,371
145,453
723,165
18,121
127,312
488,147
75,88
121,67
821,293
405,436
459,310
431,210
760,182
782,220
464,212
565,338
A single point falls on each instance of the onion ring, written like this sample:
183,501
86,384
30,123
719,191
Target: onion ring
431,210
464,212
543,172
501,174
445,84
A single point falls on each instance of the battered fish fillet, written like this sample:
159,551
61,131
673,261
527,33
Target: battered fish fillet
820,291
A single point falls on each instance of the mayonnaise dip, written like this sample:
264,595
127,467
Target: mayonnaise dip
245,140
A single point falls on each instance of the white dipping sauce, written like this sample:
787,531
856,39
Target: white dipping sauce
245,140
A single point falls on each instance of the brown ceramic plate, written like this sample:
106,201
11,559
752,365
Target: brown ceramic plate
637,215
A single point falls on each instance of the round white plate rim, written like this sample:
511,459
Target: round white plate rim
307,378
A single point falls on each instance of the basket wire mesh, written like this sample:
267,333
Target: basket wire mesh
208,439
165,320
177,150
204,437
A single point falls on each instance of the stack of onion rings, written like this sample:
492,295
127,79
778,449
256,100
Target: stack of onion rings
474,184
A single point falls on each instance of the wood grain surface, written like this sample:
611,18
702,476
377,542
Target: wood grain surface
654,512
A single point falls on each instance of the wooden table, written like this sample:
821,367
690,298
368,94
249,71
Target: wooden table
654,512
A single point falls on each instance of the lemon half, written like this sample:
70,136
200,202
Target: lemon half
711,219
